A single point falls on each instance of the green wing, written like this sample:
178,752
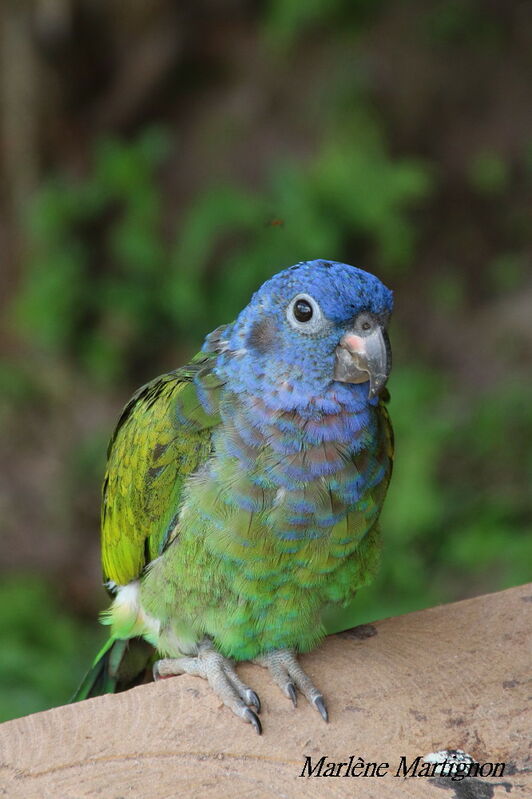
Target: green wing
163,436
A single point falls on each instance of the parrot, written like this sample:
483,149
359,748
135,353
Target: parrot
242,492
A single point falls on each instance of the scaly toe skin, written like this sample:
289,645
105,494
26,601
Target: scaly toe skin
288,674
221,676
244,692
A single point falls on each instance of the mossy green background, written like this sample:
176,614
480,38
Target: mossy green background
371,132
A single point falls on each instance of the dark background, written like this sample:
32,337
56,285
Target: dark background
158,161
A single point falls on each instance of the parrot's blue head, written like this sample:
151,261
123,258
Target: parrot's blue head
314,331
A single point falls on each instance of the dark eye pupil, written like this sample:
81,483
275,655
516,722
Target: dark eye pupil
366,326
303,311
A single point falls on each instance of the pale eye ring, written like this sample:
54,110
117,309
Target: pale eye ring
305,315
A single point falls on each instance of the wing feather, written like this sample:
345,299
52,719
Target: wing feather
162,437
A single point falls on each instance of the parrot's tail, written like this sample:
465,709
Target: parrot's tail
120,664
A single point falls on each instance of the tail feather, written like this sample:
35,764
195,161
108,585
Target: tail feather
120,664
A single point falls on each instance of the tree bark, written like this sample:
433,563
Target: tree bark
452,677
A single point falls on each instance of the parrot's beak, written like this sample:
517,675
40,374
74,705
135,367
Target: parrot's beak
363,358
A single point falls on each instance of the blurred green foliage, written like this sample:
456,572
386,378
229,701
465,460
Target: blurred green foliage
105,312
289,20
68,303
45,647
110,297
488,173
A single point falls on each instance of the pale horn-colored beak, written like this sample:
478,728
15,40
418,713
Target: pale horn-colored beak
362,358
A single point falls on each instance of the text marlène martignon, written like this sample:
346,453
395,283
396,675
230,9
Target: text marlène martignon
358,767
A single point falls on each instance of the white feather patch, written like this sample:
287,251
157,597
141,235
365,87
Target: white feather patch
127,606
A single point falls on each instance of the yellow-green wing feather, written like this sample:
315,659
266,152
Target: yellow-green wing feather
163,436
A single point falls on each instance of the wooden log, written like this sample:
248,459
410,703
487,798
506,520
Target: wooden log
452,677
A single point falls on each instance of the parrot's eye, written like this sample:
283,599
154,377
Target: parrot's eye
303,311
305,315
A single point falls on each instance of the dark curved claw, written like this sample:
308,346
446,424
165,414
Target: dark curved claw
252,718
320,705
291,691
254,700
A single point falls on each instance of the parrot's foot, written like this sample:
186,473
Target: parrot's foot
221,676
288,674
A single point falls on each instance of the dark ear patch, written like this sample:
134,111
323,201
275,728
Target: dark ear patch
262,336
